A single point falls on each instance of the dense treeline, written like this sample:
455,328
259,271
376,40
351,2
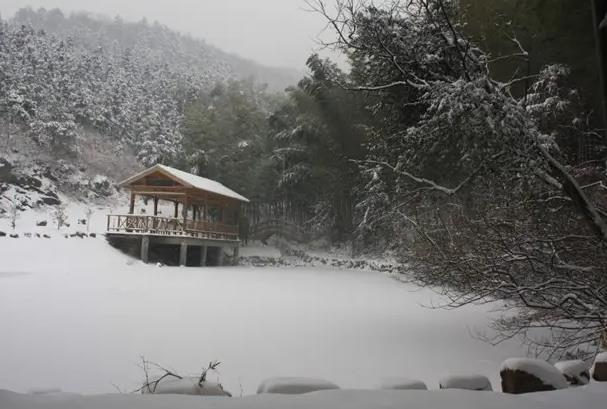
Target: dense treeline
132,81
52,84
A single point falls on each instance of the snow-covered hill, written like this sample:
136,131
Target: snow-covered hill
85,101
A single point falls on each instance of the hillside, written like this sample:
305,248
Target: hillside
100,96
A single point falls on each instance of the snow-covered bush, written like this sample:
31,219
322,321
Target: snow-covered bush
576,371
169,382
188,386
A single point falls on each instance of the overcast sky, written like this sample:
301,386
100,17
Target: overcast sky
272,32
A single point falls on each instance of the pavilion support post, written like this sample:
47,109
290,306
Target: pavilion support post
203,256
176,210
236,252
145,248
220,256
155,205
186,206
132,204
183,253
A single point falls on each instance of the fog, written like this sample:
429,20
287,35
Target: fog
272,32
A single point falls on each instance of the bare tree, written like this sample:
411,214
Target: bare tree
498,212
60,215
13,212
88,214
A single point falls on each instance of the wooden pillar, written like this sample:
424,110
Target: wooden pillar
145,247
155,205
236,252
132,205
183,253
220,256
176,210
203,256
186,205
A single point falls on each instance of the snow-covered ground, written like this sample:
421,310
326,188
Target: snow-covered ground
77,315
586,397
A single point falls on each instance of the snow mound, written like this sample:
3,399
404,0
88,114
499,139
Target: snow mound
402,383
470,382
542,370
188,386
575,371
601,357
294,385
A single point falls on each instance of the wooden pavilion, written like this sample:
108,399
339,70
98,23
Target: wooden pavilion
205,214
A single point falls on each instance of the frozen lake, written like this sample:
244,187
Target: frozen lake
77,315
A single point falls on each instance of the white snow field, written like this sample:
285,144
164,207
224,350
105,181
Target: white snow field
586,397
77,314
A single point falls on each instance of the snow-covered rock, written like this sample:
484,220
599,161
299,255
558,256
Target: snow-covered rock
470,382
599,368
575,371
402,384
187,386
523,375
294,385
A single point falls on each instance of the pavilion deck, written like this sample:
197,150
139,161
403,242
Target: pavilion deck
130,224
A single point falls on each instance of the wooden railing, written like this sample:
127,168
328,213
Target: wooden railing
168,226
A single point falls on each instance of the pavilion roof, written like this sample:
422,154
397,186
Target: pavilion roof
188,180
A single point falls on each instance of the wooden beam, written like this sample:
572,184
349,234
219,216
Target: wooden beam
220,256
186,204
183,253
145,247
132,204
203,256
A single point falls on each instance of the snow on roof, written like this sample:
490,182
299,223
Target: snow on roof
189,180
544,371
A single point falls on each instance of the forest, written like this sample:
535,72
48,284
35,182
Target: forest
465,137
